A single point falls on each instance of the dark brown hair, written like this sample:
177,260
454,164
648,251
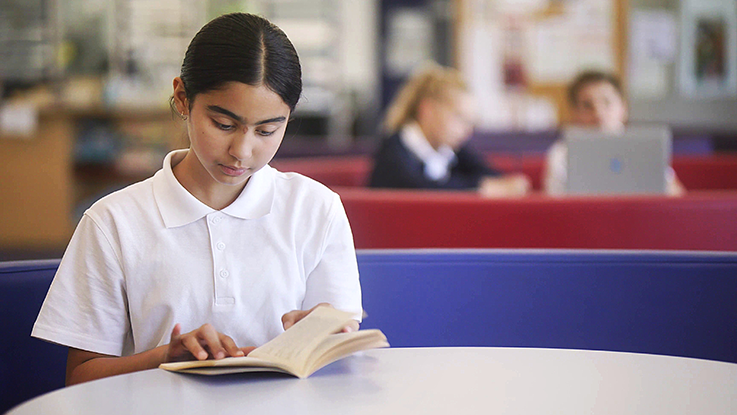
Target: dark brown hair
592,77
242,47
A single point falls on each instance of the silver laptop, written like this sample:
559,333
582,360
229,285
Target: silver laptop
631,162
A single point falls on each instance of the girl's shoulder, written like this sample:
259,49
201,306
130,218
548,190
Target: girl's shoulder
299,182
557,150
132,199
298,186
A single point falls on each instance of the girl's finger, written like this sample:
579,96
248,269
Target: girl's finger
230,346
193,346
291,317
175,332
212,340
247,350
351,327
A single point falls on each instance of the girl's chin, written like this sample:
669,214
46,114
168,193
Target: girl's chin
233,181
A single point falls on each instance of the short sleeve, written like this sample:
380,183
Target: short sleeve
335,278
672,184
555,172
86,306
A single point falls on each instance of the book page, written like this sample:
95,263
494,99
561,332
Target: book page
294,347
340,345
307,346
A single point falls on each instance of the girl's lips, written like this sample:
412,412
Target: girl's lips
233,171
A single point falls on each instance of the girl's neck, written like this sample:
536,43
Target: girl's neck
428,137
198,182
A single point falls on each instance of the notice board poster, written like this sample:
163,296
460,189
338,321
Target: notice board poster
708,64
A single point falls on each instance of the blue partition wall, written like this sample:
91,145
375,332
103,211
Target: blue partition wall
671,303
28,366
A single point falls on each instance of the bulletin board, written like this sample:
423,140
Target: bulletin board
526,52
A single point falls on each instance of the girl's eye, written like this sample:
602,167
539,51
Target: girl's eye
265,133
224,127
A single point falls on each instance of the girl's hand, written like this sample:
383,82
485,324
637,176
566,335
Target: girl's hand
202,343
291,318
513,185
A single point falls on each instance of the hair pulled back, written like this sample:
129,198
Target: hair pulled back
242,47
428,80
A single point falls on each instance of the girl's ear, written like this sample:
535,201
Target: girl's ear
180,97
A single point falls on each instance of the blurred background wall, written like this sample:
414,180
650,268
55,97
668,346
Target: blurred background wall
84,84
518,54
664,90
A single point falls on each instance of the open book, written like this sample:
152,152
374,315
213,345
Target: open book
301,350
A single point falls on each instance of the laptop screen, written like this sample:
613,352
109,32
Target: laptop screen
634,161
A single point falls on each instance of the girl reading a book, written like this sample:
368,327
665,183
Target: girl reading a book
217,252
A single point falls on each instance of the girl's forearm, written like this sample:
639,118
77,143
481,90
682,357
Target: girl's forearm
102,367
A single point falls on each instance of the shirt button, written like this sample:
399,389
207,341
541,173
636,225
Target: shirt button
220,246
224,273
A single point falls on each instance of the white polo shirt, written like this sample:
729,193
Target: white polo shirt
151,255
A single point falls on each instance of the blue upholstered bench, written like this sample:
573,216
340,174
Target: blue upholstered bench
28,366
671,303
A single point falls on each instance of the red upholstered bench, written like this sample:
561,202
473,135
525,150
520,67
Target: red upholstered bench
329,170
695,172
432,219
707,172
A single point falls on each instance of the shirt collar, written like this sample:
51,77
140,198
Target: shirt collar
437,162
178,207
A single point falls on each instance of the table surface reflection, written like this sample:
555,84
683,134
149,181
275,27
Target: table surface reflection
424,381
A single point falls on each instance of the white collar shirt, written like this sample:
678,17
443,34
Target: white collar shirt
437,162
152,255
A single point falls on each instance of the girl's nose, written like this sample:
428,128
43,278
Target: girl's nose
242,146
600,114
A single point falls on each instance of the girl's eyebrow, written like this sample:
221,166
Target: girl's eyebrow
221,110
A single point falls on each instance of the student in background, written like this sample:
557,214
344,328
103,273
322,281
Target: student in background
428,125
596,100
217,252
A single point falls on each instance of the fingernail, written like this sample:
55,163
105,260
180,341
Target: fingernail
219,355
239,353
202,355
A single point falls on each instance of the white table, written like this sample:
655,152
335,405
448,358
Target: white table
424,381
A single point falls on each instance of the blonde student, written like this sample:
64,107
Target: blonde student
217,252
597,101
427,128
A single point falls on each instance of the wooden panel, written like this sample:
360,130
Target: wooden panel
39,190
35,190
